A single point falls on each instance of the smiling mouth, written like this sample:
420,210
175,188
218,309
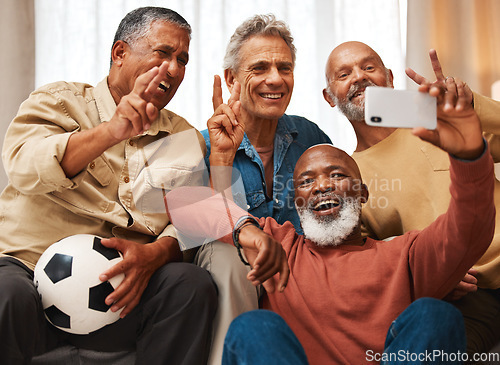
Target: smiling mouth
358,93
325,205
272,95
164,86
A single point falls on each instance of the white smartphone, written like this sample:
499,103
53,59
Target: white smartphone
387,107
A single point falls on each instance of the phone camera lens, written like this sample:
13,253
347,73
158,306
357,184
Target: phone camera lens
376,119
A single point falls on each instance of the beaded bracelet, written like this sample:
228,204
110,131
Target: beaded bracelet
240,223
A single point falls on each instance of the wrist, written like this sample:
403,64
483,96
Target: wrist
473,154
221,159
107,135
165,250
241,223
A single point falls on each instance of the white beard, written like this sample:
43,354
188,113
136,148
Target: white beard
352,111
330,230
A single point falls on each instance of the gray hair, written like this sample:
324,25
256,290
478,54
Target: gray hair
136,23
258,25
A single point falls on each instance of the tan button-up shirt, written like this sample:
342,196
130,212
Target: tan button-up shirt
119,194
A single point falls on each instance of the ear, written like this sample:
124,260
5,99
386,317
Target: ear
229,78
118,52
391,77
328,98
364,193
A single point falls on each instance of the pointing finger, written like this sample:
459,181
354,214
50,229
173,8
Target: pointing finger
436,65
143,81
217,94
155,82
235,94
419,79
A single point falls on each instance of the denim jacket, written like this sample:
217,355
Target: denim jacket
293,136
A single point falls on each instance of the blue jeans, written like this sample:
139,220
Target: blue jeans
261,337
429,331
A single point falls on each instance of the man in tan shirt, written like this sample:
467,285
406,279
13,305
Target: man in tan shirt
95,160
409,179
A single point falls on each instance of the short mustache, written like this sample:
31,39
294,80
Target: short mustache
353,89
322,196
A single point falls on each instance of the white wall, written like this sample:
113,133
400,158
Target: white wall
17,64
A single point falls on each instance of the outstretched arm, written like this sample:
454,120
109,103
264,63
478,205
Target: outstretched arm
443,252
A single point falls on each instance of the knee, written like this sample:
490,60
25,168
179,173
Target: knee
18,295
187,281
437,309
430,312
219,257
259,323
261,336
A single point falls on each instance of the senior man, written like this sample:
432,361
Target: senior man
334,301
258,70
410,179
78,160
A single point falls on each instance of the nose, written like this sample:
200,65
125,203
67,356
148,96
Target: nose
273,77
323,185
172,68
358,75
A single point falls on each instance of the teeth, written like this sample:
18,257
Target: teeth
164,86
326,202
271,96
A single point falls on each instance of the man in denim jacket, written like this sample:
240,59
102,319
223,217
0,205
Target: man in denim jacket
258,70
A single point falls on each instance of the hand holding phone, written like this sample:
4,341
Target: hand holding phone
387,107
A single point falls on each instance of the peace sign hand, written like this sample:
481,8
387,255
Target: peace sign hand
458,129
225,127
135,112
440,78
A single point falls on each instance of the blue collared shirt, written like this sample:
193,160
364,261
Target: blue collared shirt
293,136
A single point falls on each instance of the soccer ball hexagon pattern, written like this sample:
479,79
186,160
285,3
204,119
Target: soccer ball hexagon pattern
67,279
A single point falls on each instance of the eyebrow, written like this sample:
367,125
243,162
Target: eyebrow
329,168
266,62
305,173
172,50
363,60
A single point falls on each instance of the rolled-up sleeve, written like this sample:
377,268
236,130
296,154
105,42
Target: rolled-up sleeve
36,141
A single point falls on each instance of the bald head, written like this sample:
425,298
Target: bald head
351,67
325,155
348,51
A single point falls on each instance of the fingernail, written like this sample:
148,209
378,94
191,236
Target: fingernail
103,277
110,301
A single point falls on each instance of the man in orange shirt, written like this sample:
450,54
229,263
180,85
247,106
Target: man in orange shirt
333,301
